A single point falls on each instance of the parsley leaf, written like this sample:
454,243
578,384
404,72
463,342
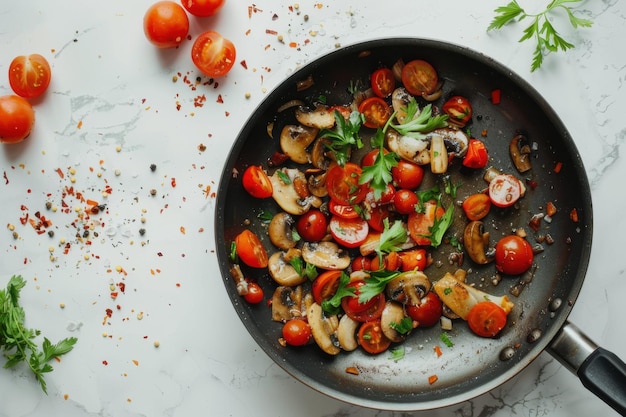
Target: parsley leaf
404,327
438,230
331,306
446,339
304,269
344,135
420,123
379,173
375,284
397,353
391,237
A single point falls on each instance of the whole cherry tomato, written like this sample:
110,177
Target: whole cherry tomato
476,156
166,24
17,118
312,225
404,201
213,54
29,75
514,255
407,174
296,332
429,312
476,206
255,293
203,8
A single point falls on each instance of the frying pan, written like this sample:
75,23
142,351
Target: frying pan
473,365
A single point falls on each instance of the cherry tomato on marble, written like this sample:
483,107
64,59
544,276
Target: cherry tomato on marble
429,312
419,77
250,249
376,112
343,185
404,201
383,82
504,190
349,233
203,8
372,339
255,293
29,75
256,182
407,175
514,255
486,319
166,24
17,118
476,206
312,225
476,156
213,54
458,109
296,332
325,285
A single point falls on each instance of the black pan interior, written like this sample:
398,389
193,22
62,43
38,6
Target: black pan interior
473,365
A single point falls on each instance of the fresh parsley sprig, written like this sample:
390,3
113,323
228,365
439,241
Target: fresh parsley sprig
344,135
418,125
378,175
375,284
331,305
548,39
391,237
18,342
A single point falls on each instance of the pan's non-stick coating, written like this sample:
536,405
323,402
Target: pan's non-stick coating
473,365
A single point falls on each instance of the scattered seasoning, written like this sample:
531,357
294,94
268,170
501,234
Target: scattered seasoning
352,370
495,96
437,350
558,167
573,215
550,209
432,379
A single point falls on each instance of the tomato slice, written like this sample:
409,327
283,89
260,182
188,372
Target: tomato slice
476,156
504,190
373,312
476,206
376,112
343,185
376,217
419,224
29,75
372,339
419,77
383,82
325,285
213,54
458,109
348,232
345,212
486,319
250,249
352,304
256,182
414,259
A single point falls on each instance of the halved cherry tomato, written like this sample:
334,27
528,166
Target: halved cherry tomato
349,233
370,157
296,332
486,319
343,185
373,312
419,224
476,206
213,54
372,339
346,212
404,201
256,182
312,225
476,156
250,249
429,312
376,217
419,77
325,285
166,24
514,255
385,197
504,190
203,8
361,263
29,75
17,118
390,262
458,109
352,303
376,112
407,175
414,259
383,82
255,293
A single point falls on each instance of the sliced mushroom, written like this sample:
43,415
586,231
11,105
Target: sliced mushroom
282,271
409,287
325,255
287,303
321,117
519,149
286,194
294,141
319,157
392,316
399,101
408,148
280,231
476,242
346,333
323,329
438,154
317,182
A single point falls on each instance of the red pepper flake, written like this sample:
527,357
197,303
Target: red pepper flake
121,286
244,64
432,379
136,362
182,230
226,113
60,172
199,101
495,96
173,182
352,370
271,32
114,294
293,44
109,312
6,179
438,351
160,253
573,215
550,209
558,167
105,363
248,32
80,124
219,99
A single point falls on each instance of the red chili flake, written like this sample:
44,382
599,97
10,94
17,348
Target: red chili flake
271,32
293,44
432,379
109,312
6,179
119,307
173,182
60,172
159,253
219,99
226,113
438,350
121,286
573,215
558,167
114,295
495,96
105,363
550,209
198,101
244,64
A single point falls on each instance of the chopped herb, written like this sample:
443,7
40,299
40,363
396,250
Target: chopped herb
404,327
446,340
295,235
449,187
379,173
447,291
344,136
283,177
391,237
322,98
265,216
354,86
375,284
456,244
331,306
304,269
397,353
427,195
420,123
233,252
438,230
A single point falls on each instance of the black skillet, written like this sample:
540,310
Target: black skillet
473,365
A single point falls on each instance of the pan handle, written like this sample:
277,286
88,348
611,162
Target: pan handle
600,371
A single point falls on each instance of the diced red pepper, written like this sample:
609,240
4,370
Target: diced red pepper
495,96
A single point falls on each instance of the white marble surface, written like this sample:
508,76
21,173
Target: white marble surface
111,89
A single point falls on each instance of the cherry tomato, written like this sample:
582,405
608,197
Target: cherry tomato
348,232
352,303
404,201
458,109
372,313
486,319
17,118
514,255
376,112
325,285
202,8
343,185
476,206
370,158
296,332
372,339
504,190
383,82
390,262
407,175
361,263
429,312
476,156
419,224
256,182
255,293
213,54
312,225
29,75
419,77
346,212
250,249
166,24
376,217
385,197
414,259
